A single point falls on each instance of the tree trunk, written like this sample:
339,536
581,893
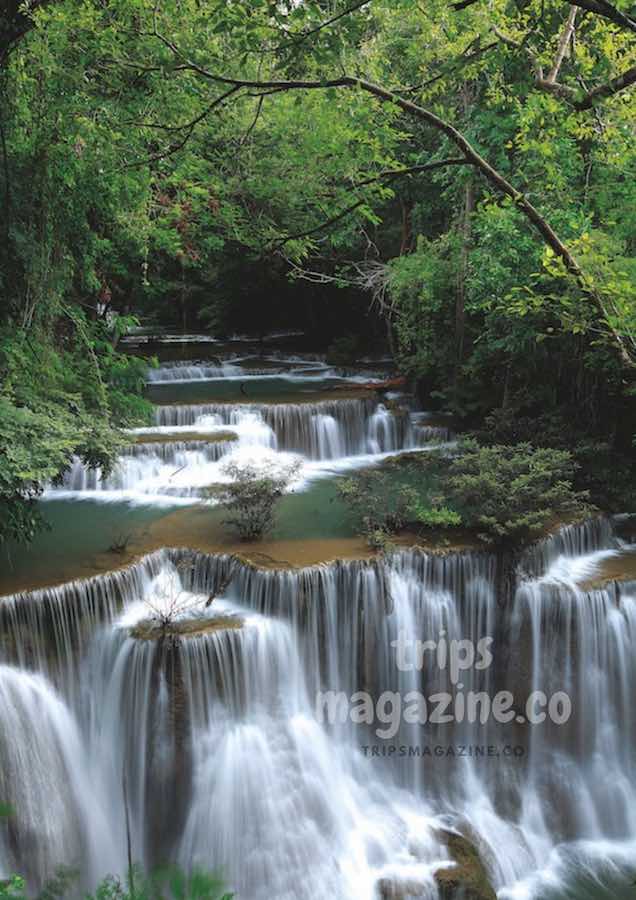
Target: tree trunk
506,578
407,226
462,275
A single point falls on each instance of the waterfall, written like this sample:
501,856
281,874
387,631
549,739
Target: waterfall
228,764
49,630
328,440
172,468
382,431
58,818
317,430
187,449
176,372
570,541
147,467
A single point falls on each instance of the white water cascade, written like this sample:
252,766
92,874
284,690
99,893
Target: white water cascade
44,778
211,722
177,372
200,439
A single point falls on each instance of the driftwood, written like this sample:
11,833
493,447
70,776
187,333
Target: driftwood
387,385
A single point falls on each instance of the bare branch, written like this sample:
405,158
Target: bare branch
564,41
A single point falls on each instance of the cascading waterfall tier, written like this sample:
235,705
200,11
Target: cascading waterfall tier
181,467
147,467
580,539
194,677
177,371
323,430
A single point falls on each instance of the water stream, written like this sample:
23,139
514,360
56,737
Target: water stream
187,683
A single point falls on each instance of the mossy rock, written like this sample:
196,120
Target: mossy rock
399,889
397,407
164,437
151,630
468,879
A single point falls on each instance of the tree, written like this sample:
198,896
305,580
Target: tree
251,496
185,58
57,403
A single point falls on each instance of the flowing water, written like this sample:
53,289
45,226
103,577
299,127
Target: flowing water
326,436
184,689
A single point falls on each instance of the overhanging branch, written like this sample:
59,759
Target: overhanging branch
471,155
388,176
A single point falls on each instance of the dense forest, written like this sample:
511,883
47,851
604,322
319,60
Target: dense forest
453,182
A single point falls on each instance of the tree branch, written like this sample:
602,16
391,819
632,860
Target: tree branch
188,127
606,90
564,40
457,64
607,11
551,86
472,156
599,7
389,175
252,125
521,45
300,38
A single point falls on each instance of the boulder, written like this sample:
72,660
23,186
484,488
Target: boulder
468,879
400,889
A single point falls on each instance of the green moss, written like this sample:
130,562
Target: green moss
467,879
217,437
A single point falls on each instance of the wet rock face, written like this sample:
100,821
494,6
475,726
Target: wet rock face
468,879
400,889
151,629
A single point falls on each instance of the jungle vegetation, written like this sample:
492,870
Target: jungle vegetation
459,177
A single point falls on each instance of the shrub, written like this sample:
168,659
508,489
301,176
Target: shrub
439,516
13,888
379,505
168,884
251,497
509,494
506,494
399,494
606,473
